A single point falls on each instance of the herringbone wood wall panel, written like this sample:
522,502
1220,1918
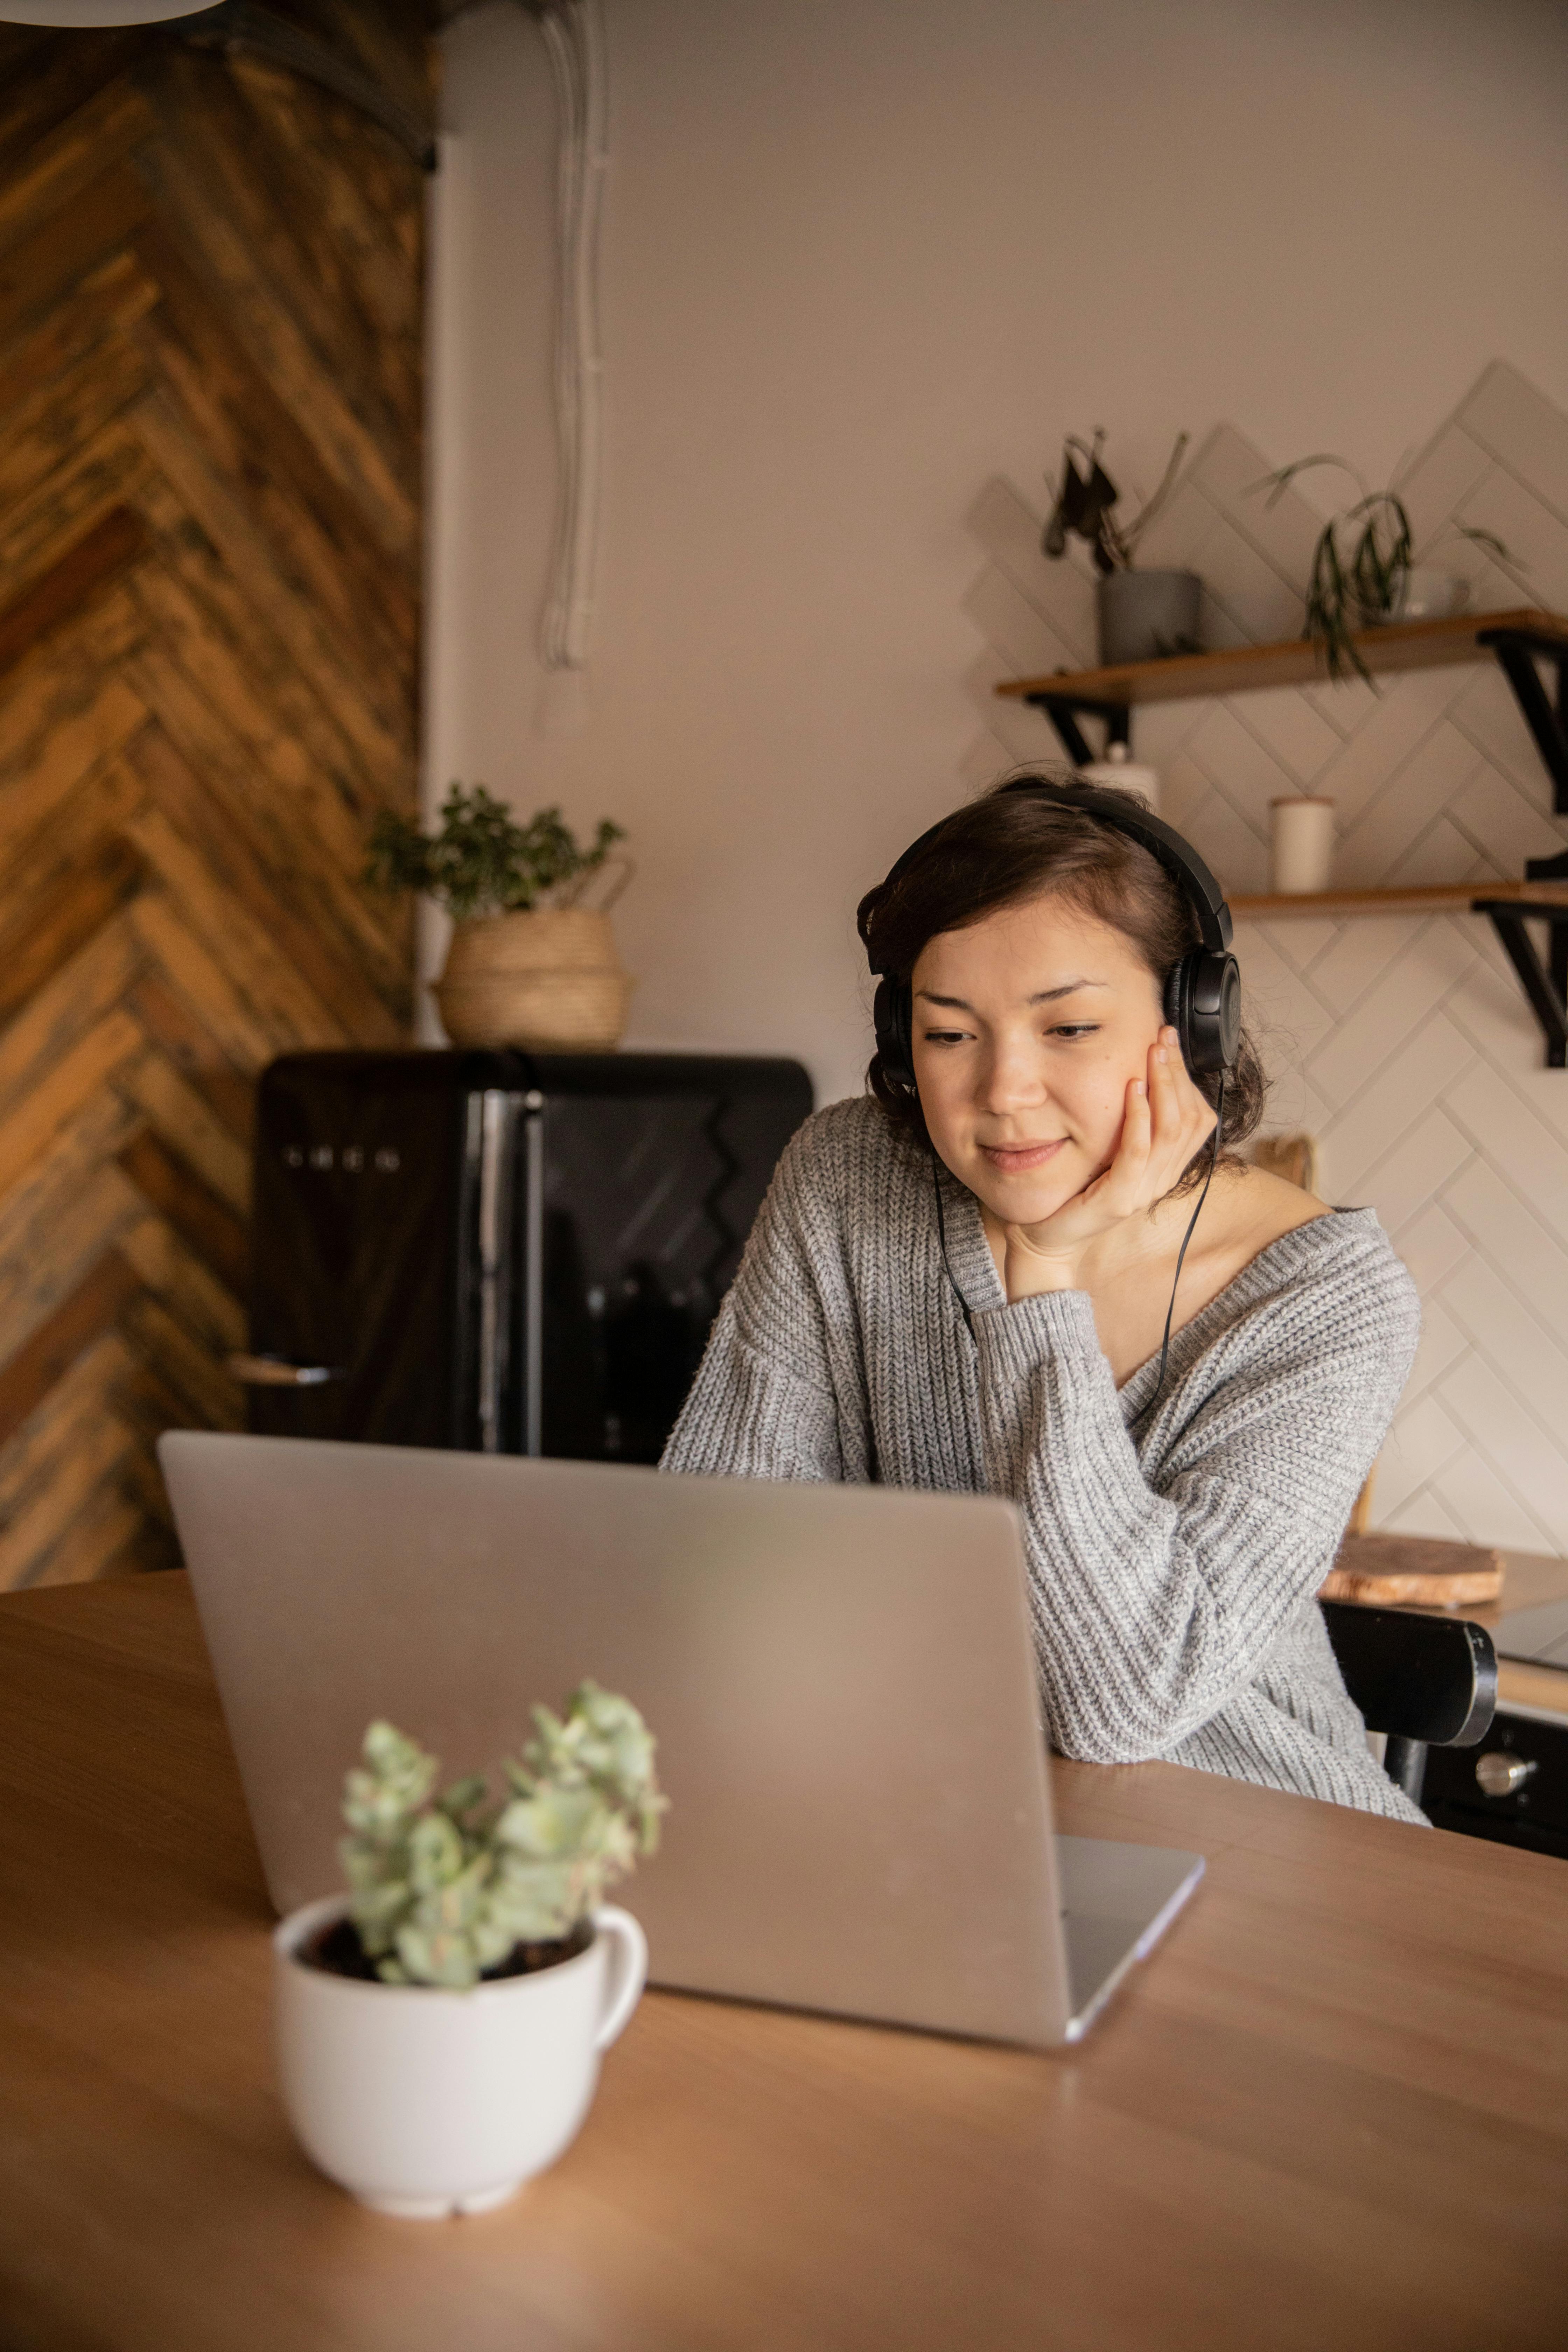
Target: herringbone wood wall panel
210,382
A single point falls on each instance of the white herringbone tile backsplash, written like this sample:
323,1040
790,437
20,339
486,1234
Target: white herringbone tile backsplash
1403,1045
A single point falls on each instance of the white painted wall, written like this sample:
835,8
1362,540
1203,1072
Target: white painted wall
865,261
861,256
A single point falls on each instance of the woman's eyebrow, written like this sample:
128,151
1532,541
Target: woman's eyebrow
1068,988
1041,996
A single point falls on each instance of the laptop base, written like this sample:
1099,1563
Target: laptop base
1117,1902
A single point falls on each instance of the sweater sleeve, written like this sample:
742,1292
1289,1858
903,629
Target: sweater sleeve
764,1403
1153,1607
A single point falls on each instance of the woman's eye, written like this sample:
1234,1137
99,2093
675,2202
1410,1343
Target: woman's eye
944,1036
1074,1029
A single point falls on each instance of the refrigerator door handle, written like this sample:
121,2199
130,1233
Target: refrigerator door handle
533,1273
272,1372
496,1109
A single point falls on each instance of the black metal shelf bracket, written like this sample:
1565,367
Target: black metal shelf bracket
1518,651
1064,712
1545,984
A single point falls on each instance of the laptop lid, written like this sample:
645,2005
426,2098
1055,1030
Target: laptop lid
840,1680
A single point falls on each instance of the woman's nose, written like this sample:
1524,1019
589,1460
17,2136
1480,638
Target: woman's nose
1013,1077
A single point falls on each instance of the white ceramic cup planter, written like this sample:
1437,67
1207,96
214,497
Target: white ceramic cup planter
424,2102
1302,845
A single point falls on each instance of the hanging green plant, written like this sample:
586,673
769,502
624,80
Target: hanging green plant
480,861
1361,564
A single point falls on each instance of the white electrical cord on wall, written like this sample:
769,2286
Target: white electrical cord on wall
574,34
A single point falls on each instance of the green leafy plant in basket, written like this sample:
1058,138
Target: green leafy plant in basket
1360,563
481,861
444,1890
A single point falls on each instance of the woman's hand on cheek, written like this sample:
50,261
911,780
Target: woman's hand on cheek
1165,1120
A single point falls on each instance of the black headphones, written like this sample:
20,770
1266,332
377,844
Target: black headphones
1203,992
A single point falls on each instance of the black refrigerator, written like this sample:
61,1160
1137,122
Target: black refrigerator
503,1252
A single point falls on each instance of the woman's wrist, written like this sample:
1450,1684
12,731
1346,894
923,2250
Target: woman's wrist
1031,1273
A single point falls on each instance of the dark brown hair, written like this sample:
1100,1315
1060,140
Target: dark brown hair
1013,846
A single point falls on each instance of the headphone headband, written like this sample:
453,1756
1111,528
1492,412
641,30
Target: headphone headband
1178,857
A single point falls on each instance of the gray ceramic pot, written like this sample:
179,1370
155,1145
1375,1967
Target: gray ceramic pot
1146,615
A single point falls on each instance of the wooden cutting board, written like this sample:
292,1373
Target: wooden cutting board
1416,1571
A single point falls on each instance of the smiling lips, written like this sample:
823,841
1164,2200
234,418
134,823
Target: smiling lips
1018,1160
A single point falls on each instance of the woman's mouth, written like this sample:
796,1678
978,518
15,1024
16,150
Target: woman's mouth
1018,1159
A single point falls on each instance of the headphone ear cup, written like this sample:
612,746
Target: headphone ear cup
890,1017
1202,1004
1173,1009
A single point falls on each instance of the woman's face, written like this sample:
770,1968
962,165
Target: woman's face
1028,1027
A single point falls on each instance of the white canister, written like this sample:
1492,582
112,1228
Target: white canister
1428,595
1303,849
1120,769
425,2102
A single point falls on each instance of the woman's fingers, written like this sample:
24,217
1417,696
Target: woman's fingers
1136,1124
1165,1103
1183,1118
1126,1179
1164,1119
1122,1186
1170,1115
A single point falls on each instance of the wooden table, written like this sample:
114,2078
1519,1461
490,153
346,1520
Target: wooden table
1331,2112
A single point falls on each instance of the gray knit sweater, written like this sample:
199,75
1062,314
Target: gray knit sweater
1172,1562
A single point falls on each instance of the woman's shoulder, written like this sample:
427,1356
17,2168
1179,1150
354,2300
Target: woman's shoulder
1336,1270
847,1173
1271,1205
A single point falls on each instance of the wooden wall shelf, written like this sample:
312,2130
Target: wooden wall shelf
1241,669
1506,906
1520,639
1443,898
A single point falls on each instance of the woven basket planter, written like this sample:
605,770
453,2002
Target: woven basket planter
551,979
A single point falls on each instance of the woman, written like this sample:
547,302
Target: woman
964,1282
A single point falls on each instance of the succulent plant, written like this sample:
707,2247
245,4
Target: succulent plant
444,1888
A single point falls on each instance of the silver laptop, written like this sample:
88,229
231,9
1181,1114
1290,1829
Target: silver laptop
840,1680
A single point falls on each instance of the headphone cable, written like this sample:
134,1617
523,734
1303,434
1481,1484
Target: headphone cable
1182,1255
942,1236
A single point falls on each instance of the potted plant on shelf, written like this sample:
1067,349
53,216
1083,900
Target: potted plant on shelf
1143,616
439,2026
528,963
1363,575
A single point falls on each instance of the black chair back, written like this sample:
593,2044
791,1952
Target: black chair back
1426,1682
